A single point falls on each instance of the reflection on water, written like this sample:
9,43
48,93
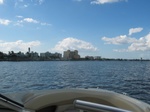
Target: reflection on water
129,77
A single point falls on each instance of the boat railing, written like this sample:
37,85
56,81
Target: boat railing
89,106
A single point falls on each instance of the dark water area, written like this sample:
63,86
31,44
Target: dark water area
127,77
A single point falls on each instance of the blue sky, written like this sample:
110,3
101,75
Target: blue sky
107,28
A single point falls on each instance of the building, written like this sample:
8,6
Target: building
45,55
69,55
49,56
89,57
34,54
93,57
57,55
29,49
97,58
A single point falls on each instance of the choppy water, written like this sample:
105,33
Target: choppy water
130,77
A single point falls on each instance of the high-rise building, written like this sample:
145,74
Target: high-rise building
71,55
29,49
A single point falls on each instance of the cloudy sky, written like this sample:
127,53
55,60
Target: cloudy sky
107,28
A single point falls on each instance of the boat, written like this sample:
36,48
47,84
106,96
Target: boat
70,100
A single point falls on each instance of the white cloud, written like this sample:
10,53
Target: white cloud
18,23
120,50
4,21
45,24
25,3
25,6
23,20
41,1
135,30
1,1
105,1
122,39
18,45
30,20
143,44
74,44
19,16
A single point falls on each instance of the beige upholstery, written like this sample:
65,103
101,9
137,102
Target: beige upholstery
65,97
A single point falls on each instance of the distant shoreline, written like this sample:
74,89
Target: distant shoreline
82,59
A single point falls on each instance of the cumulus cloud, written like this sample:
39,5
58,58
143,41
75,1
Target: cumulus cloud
30,20
135,30
122,39
143,44
4,21
74,44
105,1
18,45
23,20
1,1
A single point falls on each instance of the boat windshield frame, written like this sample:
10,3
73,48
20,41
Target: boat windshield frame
10,101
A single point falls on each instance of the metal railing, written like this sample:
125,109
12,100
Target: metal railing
89,106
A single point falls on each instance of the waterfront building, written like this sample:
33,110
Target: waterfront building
48,55
20,54
97,57
34,54
68,55
29,49
93,57
89,57
58,55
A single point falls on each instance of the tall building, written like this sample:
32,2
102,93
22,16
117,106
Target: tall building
29,49
71,55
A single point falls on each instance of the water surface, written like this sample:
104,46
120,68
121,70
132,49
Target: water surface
129,77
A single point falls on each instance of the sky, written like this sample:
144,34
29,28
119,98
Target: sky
106,28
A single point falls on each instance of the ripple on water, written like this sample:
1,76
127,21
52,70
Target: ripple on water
132,78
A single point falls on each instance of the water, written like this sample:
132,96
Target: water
129,77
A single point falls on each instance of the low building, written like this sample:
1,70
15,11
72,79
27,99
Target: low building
50,56
89,57
93,57
97,58
45,55
34,54
57,55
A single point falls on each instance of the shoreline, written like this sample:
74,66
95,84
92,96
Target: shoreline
29,60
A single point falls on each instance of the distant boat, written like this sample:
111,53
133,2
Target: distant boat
71,100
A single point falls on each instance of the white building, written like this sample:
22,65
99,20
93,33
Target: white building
71,55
